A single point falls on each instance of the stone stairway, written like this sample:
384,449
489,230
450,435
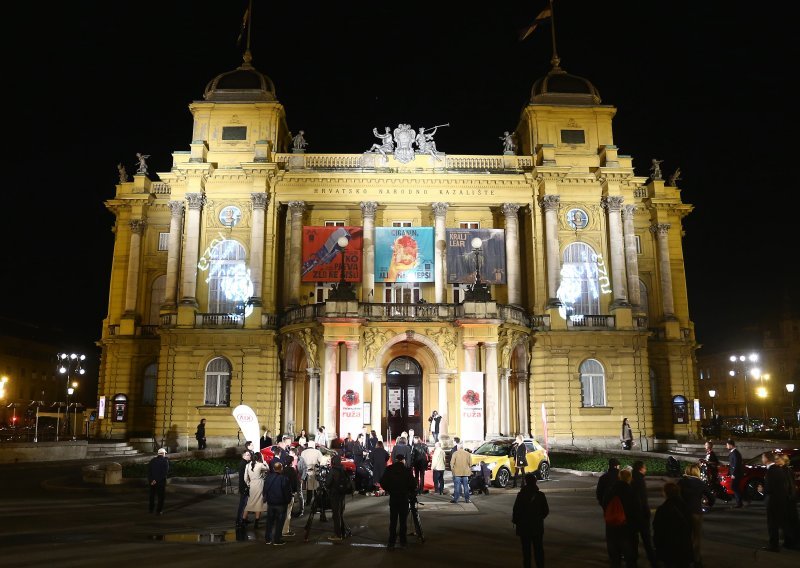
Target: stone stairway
689,450
110,449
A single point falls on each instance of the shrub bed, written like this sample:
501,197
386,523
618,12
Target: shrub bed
186,468
599,462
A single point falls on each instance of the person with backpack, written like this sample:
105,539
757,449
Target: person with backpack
621,515
530,510
339,485
419,461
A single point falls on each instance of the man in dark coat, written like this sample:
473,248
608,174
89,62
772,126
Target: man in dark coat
520,460
419,461
639,487
372,441
607,480
672,529
200,434
243,490
530,510
776,497
401,486
266,440
735,470
340,530
402,447
276,496
157,471
378,457
293,476
622,540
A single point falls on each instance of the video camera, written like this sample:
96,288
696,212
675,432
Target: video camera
322,473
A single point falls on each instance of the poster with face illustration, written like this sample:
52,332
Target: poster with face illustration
461,257
404,254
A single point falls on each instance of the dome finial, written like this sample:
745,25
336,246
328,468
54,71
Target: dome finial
556,60
247,60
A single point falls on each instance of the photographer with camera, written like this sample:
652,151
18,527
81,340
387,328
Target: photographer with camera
338,485
398,481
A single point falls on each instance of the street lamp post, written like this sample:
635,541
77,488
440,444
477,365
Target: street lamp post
741,359
712,394
70,365
790,390
479,292
344,290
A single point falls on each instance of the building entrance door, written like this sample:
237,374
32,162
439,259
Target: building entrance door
404,397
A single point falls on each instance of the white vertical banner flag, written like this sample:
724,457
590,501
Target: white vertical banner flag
351,403
471,401
248,422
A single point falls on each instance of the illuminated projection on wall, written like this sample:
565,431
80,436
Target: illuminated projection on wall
229,284
584,277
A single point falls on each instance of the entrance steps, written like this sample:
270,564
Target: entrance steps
690,450
110,449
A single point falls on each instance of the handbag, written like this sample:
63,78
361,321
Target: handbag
246,491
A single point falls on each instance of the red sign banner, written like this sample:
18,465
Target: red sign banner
322,254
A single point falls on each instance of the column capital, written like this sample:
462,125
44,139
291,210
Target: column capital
440,208
509,209
628,212
260,200
368,208
550,202
613,203
470,344
351,344
297,208
660,229
491,344
176,208
195,200
334,343
137,226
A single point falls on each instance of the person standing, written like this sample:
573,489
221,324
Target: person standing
692,491
254,479
378,457
736,471
157,471
530,510
293,477
438,467
434,420
243,489
711,455
607,480
419,461
520,460
621,539
266,439
791,534
276,496
672,529
639,486
461,468
312,456
372,441
401,486
402,447
776,497
322,436
337,481
200,434
626,435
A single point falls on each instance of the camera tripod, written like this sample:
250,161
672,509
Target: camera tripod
414,514
318,502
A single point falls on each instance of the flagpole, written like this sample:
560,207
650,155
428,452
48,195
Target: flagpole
250,21
555,61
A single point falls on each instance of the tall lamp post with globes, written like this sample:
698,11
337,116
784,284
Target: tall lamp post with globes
70,365
795,417
344,290
479,291
740,359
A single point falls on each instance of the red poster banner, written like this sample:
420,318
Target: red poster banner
322,254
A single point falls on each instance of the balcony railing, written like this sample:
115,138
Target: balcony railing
147,330
302,314
407,312
591,322
453,162
514,314
218,320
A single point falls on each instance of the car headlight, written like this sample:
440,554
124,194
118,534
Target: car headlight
491,465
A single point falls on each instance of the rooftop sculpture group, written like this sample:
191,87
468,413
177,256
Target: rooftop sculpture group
400,143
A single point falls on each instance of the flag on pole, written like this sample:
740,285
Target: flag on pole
244,26
543,15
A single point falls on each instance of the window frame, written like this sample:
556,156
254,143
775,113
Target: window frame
222,378
586,378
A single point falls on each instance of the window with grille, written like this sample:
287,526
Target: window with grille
405,293
334,223
227,269
580,283
469,225
163,241
149,385
401,224
218,382
593,383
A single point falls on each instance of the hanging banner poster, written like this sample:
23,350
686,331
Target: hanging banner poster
351,403
322,254
471,401
404,254
461,256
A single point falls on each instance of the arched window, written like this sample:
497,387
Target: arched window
644,299
218,382
158,293
149,385
593,383
579,290
228,277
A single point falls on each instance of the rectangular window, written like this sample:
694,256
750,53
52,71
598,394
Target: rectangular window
469,225
234,133
573,137
458,293
334,223
163,241
638,244
401,223
322,290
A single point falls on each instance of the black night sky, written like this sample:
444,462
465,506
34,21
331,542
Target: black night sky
702,85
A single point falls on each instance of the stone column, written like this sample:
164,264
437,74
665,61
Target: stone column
613,204
491,405
260,202
368,209
134,262
288,404
631,256
470,356
550,205
191,248
174,251
377,400
661,230
330,394
443,411
505,418
312,416
440,248
513,272
524,407
352,355
296,209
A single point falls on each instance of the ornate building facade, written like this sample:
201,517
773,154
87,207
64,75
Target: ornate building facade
540,290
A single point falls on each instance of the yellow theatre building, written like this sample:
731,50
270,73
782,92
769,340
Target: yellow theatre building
538,291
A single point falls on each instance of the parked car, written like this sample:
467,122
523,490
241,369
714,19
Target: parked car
499,456
751,484
348,464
